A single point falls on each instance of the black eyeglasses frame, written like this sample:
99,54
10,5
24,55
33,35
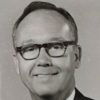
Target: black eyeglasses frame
46,45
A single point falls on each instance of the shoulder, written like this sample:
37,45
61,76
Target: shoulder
80,96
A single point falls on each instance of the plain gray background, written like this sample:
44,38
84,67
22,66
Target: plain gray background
87,16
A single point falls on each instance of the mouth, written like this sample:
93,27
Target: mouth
46,74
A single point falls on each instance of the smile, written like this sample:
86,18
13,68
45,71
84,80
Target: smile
45,74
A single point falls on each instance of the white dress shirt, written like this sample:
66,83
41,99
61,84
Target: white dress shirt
71,97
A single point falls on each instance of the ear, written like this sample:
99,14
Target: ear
77,54
16,63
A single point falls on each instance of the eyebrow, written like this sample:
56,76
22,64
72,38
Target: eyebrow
26,42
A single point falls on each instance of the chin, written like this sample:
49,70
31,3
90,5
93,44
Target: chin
43,91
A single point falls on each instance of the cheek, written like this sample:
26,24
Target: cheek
65,63
25,66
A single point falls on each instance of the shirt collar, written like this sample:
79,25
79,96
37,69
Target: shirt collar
71,97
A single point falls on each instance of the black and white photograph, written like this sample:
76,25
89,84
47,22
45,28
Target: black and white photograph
49,50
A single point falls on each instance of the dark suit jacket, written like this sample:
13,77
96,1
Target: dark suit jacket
80,96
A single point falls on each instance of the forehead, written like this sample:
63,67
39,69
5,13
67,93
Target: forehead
43,25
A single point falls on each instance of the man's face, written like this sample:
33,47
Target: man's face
46,75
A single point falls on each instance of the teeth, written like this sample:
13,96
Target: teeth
45,74
42,76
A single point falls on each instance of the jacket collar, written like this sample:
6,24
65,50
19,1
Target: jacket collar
78,95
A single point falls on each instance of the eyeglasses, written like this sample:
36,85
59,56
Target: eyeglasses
54,49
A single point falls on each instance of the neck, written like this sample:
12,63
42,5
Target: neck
59,96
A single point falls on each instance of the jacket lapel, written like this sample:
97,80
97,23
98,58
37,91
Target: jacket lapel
78,95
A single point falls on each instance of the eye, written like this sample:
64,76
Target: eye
58,46
29,48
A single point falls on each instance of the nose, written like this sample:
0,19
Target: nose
44,59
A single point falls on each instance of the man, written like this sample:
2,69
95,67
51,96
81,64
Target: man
45,40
